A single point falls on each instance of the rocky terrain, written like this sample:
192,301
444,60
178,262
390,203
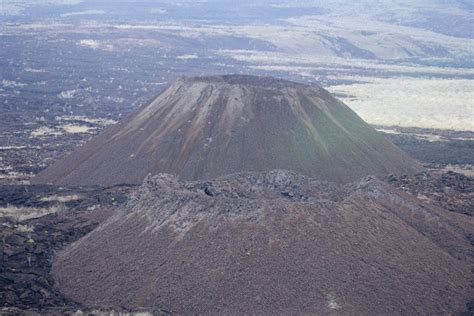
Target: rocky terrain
324,237
27,249
279,242
79,216
451,191
204,127
254,242
435,148
29,240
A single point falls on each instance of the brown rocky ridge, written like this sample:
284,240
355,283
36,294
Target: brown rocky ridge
205,127
273,242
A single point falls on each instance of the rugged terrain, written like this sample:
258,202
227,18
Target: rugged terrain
78,211
36,221
279,242
435,148
451,191
204,127
69,69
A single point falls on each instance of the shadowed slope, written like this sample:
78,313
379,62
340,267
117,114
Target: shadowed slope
204,127
266,243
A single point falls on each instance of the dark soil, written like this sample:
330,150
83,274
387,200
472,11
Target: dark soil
273,243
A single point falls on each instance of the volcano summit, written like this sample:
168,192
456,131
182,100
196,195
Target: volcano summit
205,127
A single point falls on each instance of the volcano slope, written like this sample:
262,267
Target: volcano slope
273,242
205,127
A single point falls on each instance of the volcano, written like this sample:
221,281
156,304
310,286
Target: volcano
272,243
206,127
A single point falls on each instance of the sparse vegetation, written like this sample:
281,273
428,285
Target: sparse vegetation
255,242
20,213
61,198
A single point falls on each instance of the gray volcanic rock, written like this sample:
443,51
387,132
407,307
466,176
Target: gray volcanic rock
272,243
204,127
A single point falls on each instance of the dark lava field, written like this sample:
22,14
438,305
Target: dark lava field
236,157
64,247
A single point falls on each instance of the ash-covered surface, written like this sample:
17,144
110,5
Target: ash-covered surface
206,127
273,242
